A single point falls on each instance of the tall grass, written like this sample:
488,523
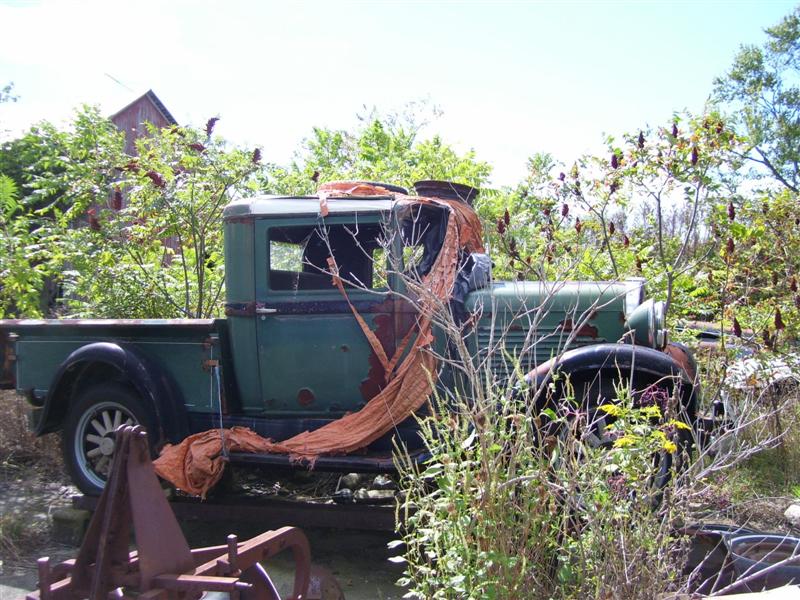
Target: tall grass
576,500
19,448
514,504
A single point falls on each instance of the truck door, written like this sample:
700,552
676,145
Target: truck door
314,358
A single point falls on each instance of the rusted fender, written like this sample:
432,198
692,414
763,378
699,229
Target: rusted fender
675,363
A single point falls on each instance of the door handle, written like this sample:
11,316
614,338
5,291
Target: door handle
266,311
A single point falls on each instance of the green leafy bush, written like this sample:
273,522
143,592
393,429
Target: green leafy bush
515,503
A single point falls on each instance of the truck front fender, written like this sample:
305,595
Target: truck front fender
674,366
102,360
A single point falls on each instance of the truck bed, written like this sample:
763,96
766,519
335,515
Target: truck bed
33,349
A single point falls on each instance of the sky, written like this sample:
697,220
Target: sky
510,78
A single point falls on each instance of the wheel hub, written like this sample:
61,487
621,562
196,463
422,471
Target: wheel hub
95,443
107,446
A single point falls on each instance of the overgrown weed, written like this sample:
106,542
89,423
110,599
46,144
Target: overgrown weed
25,463
579,502
18,446
516,504
19,535
753,469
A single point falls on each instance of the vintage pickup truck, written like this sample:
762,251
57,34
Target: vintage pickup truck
289,356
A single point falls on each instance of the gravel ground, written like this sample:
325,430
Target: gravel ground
27,499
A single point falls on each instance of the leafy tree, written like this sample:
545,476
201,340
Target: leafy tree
581,222
21,267
140,236
762,91
154,248
7,93
753,280
383,148
121,236
57,175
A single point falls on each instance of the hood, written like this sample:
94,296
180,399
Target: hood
534,321
570,297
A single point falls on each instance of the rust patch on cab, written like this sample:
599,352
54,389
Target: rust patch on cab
585,330
305,397
376,376
395,319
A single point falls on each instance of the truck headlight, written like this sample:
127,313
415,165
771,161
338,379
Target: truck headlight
660,324
648,324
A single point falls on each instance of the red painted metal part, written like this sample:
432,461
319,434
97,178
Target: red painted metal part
163,566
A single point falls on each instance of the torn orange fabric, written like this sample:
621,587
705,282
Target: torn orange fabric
373,340
323,204
196,464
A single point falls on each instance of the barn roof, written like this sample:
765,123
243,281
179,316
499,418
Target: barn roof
151,96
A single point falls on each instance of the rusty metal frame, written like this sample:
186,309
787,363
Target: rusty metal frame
164,567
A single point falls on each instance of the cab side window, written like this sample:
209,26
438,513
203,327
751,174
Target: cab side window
423,230
298,257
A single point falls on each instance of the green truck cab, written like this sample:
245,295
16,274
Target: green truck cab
289,355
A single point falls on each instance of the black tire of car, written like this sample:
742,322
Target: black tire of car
86,443
601,390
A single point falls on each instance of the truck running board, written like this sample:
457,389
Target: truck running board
364,463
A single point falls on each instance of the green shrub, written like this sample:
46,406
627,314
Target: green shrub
517,504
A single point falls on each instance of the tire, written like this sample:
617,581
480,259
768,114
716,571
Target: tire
86,443
601,389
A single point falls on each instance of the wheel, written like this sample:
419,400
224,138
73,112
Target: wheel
87,441
600,389
263,588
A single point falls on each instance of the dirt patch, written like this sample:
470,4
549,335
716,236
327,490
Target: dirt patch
28,497
359,560
33,485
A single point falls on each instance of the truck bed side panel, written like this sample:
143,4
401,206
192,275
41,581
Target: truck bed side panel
180,346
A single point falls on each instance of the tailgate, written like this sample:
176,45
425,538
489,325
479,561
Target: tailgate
7,359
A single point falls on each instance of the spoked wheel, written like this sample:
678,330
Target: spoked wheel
88,441
93,440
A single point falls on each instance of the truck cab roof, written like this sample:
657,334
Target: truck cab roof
282,206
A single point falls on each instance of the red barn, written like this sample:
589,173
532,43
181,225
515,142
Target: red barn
145,109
